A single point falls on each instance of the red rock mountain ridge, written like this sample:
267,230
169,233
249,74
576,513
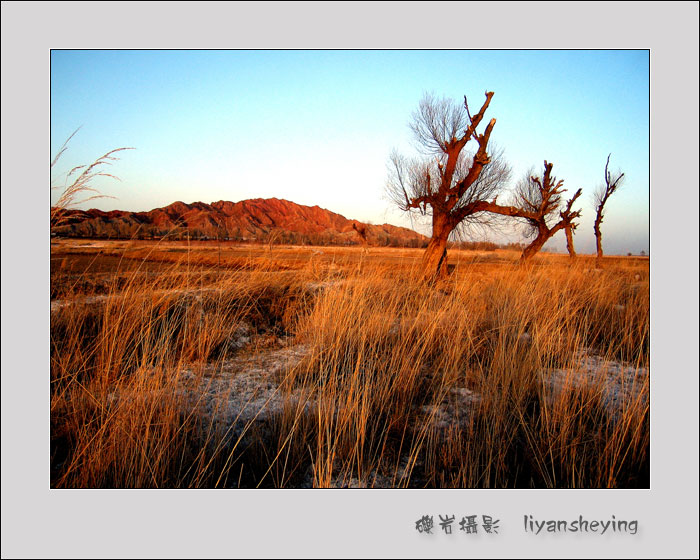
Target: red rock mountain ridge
254,219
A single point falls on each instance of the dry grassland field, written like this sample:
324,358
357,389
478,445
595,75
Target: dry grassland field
207,365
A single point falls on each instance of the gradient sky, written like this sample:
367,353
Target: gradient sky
317,127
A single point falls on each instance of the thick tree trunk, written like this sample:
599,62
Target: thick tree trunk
533,248
598,241
570,242
435,257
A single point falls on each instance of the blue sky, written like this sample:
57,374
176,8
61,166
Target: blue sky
317,127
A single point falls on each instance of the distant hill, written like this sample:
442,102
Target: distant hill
258,219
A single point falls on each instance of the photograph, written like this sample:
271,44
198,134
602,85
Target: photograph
349,279
301,269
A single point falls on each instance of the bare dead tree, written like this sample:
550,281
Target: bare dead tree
447,183
600,197
361,230
537,200
540,199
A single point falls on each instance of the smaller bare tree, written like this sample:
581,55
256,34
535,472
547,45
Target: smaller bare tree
540,197
600,197
361,230
536,202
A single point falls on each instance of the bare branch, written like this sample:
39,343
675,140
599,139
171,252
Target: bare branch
466,108
436,123
474,122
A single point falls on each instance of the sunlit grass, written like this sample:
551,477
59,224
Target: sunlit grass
394,382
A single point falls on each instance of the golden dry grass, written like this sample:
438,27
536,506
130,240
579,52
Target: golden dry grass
396,384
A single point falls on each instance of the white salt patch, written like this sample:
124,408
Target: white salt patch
243,390
620,384
453,410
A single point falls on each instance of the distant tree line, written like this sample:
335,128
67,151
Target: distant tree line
125,230
485,246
